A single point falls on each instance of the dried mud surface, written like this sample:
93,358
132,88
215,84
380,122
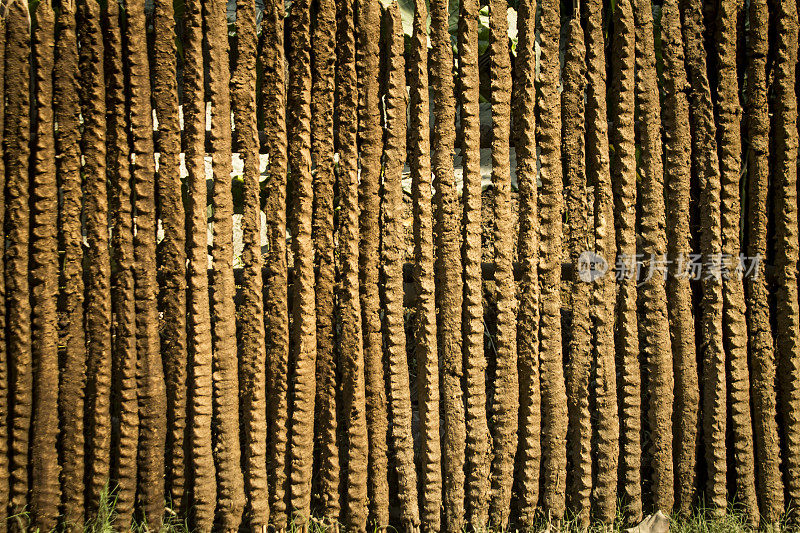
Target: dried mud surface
66,111
762,356
623,176
326,453
677,181
46,492
125,439
392,259
554,398
172,249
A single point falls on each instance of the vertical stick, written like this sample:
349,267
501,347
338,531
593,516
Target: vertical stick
304,321
125,389
706,165
477,450
606,429
734,326
623,176
654,331
172,249
426,352
149,370
447,268
200,395
506,394
252,364
677,180
579,355
276,317
98,265
762,356
4,368
353,411
66,109
367,17
554,398
16,141
45,493
786,247
323,56
392,255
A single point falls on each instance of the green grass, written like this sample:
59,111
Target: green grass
700,521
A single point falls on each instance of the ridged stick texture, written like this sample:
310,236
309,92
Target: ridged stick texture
656,352
728,120
761,344
370,148
149,369
252,362
125,438
605,447
326,454
71,382
172,249
392,254
706,167
478,443
97,272
447,268
16,147
554,397
623,178
677,183
426,352
276,309
787,320
351,342
579,349
303,307
46,492
203,485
